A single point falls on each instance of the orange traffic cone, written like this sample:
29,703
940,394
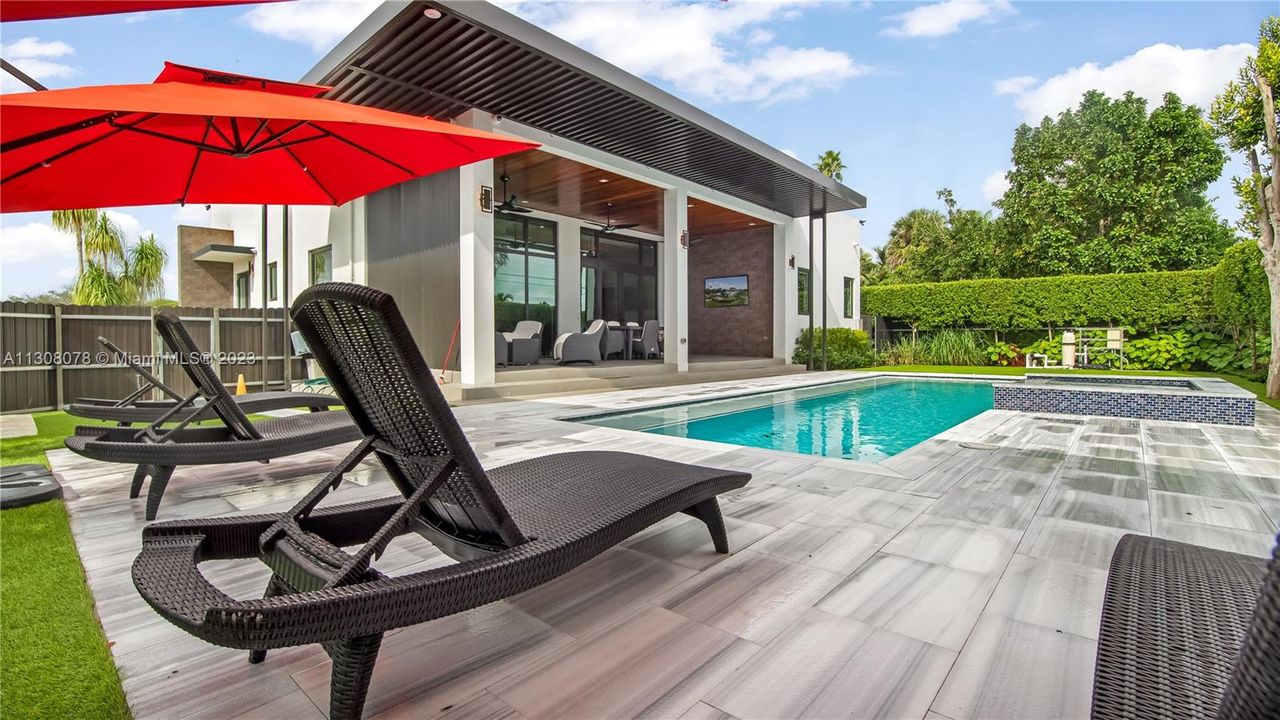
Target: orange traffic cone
241,387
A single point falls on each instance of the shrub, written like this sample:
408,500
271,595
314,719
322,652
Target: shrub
1141,300
846,348
1161,351
905,351
954,347
1241,297
1006,354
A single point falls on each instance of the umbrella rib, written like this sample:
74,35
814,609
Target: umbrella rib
59,155
191,176
262,123
274,137
369,152
209,121
311,175
55,132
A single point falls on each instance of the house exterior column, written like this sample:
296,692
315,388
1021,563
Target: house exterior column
568,275
675,279
784,295
475,273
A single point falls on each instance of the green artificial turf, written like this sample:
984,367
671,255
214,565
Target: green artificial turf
54,661
1257,388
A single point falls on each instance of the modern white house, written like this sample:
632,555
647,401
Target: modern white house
538,235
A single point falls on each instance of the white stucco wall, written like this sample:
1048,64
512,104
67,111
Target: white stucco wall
311,227
844,236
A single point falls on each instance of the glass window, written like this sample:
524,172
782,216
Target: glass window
271,282
619,278
242,289
802,291
848,297
524,275
321,265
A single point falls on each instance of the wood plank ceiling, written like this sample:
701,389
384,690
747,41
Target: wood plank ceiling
551,183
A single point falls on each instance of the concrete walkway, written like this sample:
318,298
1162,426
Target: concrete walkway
948,582
17,425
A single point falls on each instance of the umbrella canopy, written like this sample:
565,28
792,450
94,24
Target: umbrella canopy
15,10
203,139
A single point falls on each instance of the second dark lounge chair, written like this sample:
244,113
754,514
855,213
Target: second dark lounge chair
160,447
135,408
512,528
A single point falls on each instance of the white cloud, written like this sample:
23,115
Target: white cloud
317,23
945,18
1195,74
128,224
34,241
790,153
721,52
1014,85
994,185
192,214
37,58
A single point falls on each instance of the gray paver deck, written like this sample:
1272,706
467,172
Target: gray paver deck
950,582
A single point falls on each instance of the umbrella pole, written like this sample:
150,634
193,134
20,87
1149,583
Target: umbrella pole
22,77
284,301
262,273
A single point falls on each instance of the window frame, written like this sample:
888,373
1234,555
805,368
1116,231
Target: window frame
850,288
273,285
804,291
311,263
244,286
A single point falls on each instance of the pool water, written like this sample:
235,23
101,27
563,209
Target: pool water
870,420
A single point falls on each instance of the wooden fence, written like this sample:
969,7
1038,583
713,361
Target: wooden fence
51,353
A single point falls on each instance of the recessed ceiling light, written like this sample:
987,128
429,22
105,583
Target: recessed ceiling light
690,204
751,224
432,14
604,180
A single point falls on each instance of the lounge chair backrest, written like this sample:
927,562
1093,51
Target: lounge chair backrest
595,327
193,361
527,329
1253,690
649,335
360,339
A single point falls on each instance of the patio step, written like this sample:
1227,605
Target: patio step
621,378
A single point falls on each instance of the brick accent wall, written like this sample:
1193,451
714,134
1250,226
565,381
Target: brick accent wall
743,330
204,284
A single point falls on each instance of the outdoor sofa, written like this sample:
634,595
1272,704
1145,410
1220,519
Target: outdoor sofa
511,528
1188,632
157,449
135,408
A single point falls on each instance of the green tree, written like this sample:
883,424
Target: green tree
1108,187
912,235
1244,115
870,268
144,269
830,164
76,222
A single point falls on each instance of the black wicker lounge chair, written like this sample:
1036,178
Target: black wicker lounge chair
1188,632
159,447
512,528
135,408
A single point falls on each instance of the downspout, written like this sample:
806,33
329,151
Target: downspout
809,290
262,274
826,286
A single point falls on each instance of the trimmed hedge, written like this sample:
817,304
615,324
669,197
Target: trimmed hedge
1139,300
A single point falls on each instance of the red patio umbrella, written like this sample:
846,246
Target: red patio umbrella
15,10
205,137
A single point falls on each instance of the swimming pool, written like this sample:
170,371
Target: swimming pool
870,419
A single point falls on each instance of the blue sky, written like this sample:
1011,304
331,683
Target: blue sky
916,96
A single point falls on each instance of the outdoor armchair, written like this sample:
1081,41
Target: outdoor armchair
581,347
646,345
1188,632
525,341
511,528
135,408
157,450
617,340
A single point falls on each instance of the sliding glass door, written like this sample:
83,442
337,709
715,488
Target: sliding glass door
619,278
524,274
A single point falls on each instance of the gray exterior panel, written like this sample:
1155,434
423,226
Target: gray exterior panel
412,253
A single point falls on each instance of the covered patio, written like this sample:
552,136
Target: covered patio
960,579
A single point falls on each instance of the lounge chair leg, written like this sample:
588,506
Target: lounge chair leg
159,481
275,586
708,511
139,476
353,662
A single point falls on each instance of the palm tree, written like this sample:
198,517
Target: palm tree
76,222
104,241
144,269
919,227
830,164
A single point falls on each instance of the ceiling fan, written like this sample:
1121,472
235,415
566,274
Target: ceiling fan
607,225
509,202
